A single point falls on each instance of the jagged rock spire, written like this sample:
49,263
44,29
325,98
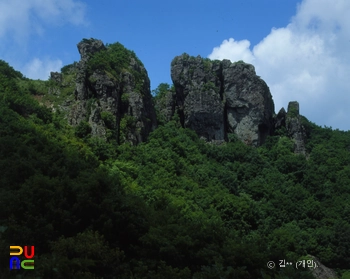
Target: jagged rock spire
294,127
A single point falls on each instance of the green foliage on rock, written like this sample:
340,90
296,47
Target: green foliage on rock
111,125
114,61
239,62
68,69
161,90
207,64
208,86
126,126
292,112
163,98
83,129
109,119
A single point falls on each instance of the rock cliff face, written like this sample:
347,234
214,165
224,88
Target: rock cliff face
112,98
215,98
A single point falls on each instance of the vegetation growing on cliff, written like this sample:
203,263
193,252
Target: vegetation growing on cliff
115,60
172,207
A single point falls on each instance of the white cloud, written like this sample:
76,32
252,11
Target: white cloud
40,69
21,18
307,61
236,50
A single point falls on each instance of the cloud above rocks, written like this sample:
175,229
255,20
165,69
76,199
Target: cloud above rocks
22,22
40,69
20,19
308,61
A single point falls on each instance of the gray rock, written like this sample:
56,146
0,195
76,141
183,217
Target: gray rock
249,103
88,47
125,96
55,76
219,97
294,127
54,90
81,92
137,105
105,90
166,106
198,97
97,125
321,271
280,119
77,112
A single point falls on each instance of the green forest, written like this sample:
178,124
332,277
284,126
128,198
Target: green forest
171,207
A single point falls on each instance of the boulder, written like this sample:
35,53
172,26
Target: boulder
215,98
198,97
249,104
320,271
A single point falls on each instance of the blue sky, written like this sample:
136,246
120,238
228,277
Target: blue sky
300,48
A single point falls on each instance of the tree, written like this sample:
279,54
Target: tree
161,90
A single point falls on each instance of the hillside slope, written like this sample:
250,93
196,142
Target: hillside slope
172,206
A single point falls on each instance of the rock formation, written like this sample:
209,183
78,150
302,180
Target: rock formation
123,95
57,77
294,127
280,119
249,103
165,106
321,271
215,98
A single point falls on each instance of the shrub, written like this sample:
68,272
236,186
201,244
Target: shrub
83,129
114,60
109,119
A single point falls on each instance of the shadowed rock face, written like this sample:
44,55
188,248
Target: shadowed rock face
125,97
215,98
198,97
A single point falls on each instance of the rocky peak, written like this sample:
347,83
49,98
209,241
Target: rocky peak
293,109
280,120
88,47
294,127
114,98
215,98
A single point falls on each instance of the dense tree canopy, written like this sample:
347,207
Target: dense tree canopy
172,207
